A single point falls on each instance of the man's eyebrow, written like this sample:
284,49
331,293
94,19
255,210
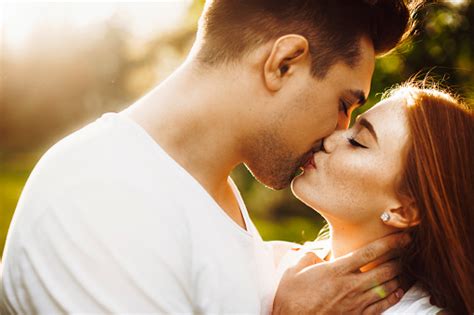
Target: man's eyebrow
364,122
359,96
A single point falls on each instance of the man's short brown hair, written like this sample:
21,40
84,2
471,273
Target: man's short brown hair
333,28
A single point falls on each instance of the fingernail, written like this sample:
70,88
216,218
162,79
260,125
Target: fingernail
399,293
295,248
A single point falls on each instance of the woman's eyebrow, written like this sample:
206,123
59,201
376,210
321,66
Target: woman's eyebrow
365,123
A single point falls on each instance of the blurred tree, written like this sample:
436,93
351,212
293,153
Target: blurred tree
441,47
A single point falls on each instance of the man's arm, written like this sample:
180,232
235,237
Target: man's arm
313,286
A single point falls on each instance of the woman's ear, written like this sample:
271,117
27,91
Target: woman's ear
287,52
402,217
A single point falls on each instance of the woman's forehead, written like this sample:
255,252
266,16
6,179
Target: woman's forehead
393,107
388,116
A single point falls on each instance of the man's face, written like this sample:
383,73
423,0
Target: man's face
305,111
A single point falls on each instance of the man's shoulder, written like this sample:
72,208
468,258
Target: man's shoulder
103,137
106,150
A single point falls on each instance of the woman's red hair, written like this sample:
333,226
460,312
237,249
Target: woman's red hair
438,179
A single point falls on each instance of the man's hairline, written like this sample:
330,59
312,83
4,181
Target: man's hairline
251,49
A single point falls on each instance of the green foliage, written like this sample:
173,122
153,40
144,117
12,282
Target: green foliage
13,177
441,49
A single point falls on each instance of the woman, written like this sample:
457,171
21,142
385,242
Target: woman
405,165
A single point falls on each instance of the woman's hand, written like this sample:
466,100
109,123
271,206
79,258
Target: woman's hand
338,287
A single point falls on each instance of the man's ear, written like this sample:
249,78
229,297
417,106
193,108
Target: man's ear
287,52
404,216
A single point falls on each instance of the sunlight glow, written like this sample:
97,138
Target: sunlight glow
457,3
19,19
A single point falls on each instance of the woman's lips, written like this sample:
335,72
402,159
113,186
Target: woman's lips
310,164
313,161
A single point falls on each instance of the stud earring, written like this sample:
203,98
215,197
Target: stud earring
385,217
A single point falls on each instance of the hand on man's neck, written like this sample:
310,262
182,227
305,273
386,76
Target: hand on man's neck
195,116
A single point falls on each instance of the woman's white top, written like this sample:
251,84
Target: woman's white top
415,301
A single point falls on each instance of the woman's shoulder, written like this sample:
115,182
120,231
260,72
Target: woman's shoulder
415,301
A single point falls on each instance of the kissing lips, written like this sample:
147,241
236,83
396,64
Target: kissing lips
310,164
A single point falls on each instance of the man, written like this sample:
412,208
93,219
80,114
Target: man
136,213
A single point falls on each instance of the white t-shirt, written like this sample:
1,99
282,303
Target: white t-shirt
109,223
414,301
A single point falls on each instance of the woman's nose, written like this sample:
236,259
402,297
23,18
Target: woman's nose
331,142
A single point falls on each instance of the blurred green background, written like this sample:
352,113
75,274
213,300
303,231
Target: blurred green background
64,64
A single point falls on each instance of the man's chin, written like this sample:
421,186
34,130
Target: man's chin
275,184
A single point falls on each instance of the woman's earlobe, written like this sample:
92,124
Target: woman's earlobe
401,217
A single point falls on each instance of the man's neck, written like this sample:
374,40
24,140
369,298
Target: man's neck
190,117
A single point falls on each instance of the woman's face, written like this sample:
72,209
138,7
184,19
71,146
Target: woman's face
354,179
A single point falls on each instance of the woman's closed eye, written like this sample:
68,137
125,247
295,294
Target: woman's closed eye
355,143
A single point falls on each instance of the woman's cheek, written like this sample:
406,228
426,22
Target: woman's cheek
347,167
353,174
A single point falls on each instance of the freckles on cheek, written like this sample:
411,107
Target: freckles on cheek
338,177
351,173
343,166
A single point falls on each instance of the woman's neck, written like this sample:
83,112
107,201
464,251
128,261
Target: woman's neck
347,237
